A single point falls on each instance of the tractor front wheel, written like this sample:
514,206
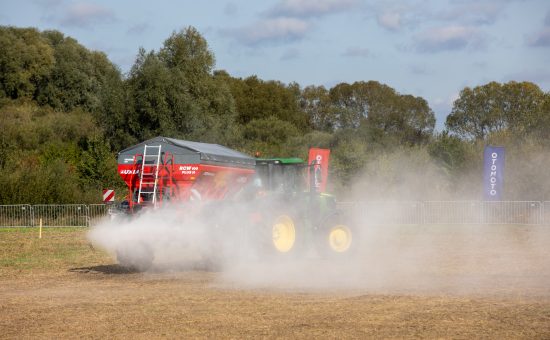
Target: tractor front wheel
340,238
337,239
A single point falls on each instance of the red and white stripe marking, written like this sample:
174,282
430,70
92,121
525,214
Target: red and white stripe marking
108,195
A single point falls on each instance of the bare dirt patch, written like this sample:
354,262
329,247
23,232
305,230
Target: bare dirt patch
60,287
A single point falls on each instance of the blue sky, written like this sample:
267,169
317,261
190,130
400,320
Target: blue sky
428,48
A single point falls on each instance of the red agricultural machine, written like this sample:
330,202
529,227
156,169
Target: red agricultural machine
163,169
286,207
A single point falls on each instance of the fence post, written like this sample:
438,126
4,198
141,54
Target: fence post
28,215
87,215
541,212
424,212
544,213
31,209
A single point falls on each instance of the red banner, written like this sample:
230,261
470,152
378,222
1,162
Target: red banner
318,163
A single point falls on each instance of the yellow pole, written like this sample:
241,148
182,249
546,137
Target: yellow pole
40,230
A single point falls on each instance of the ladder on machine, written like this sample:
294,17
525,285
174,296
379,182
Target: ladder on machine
146,180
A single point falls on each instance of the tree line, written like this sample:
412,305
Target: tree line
66,110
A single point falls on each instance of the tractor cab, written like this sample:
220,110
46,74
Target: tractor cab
283,175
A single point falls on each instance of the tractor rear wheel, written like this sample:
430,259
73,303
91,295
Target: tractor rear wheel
283,233
278,236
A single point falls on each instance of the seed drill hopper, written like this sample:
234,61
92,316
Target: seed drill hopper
162,169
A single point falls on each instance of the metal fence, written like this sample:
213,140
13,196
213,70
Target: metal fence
546,212
52,215
451,212
96,212
19,215
402,212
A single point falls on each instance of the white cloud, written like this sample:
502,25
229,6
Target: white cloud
288,20
310,8
271,31
476,12
390,20
396,15
84,14
540,38
448,38
357,52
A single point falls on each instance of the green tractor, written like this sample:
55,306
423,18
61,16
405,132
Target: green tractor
294,216
239,204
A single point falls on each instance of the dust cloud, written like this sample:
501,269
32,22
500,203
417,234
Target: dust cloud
392,252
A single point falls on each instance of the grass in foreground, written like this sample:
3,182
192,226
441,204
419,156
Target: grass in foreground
59,248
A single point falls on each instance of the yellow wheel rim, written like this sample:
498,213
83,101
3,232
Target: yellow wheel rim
284,234
340,238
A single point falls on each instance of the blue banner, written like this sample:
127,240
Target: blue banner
493,173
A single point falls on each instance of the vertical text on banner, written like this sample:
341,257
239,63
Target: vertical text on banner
493,173
318,168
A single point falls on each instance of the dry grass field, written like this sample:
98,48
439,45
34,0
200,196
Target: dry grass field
59,287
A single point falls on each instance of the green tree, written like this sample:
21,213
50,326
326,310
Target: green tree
350,106
383,111
542,126
449,151
173,92
187,51
269,136
45,156
403,173
26,60
149,84
494,107
349,156
189,59
315,102
96,164
79,77
258,99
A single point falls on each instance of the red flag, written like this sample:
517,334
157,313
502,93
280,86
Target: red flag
318,162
